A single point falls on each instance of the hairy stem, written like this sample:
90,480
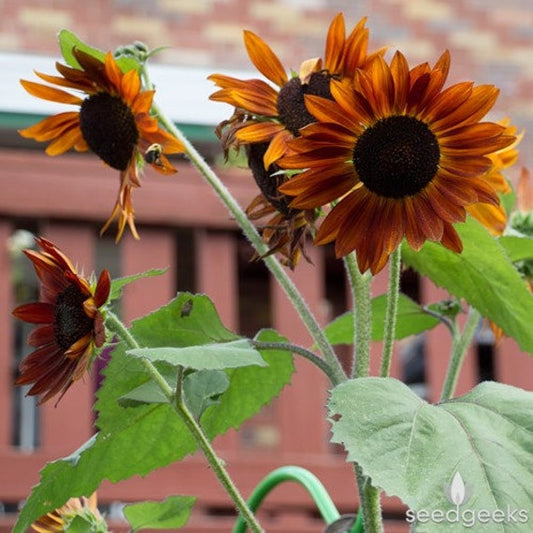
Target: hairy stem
362,311
461,342
391,311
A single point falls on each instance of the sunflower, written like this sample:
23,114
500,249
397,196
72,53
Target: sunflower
275,115
287,229
60,519
113,121
494,217
70,323
398,155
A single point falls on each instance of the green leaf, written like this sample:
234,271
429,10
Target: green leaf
517,248
411,320
68,41
137,440
118,284
411,448
215,356
171,513
204,388
482,275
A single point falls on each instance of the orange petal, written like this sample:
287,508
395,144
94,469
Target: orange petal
264,59
50,93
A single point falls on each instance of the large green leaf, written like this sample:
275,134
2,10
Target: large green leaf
172,513
412,449
483,275
215,356
410,320
140,439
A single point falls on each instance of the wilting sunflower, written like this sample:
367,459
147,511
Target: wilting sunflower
266,114
70,324
399,155
60,519
113,121
287,229
494,217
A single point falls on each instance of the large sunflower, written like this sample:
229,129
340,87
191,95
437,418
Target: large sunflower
274,115
70,324
399,155
113,121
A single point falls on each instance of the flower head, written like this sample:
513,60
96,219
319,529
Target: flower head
60,519
275,114
398,155
113,121
70,323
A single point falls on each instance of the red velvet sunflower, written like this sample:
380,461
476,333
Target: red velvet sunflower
113,121
274,115
70,323
400,156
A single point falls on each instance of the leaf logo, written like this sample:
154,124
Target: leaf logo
457,491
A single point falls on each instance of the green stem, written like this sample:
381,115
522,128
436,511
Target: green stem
461,342
362,311
370,503
115,324
294,348
260,247
214,461
309,481
391,311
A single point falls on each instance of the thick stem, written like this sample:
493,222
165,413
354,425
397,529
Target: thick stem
362,311
260,247
116,325
391,311
461,342
370,503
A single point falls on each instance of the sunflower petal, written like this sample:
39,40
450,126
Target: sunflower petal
264,59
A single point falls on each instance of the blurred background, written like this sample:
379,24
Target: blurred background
184,227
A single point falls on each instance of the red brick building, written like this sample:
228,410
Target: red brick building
184,227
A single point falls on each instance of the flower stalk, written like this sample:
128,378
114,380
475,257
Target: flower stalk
391,311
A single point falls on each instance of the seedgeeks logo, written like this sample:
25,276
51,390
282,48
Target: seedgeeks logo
458,494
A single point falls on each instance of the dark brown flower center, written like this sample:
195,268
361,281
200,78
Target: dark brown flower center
397,156
291,103
108,126
70,321
266,181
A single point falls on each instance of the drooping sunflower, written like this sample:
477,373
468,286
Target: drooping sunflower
492,216
70,323
274,115
286,230
113,121
399,155
60,519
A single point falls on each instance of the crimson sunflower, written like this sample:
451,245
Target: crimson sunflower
113,121
398,155
70,323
